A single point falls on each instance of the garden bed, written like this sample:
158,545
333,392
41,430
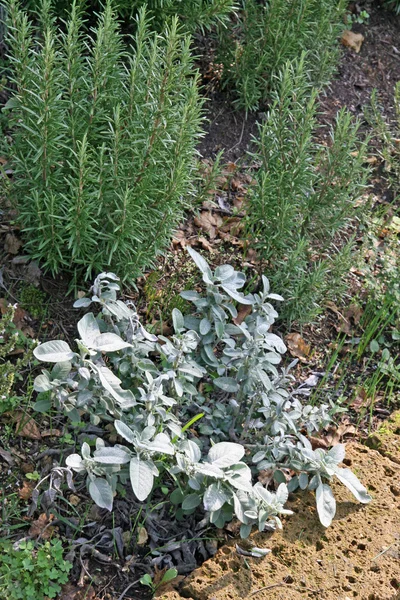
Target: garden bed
359,555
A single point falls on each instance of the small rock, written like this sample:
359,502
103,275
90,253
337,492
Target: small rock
352,40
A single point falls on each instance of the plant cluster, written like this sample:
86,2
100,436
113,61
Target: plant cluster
103,149
10,340
268,34
216,369
29,572
304,195
33,300
194,14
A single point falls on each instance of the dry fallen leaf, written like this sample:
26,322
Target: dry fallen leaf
205,244
12,244
6,456
26,491
208,222
232,225
352,40
52,433
179,239
298,347
243,311
74,500
26,426
143,536
333,436
362,400
41,527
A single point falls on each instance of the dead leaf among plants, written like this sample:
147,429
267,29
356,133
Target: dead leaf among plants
26,426
179,239
143,536
26,491
52,433
208,222
362,399
298,346
232,225
6,456
243,311
352,40
41,527
12,244
205,244
333,436
231,239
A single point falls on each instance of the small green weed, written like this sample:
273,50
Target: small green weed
150,582
34,301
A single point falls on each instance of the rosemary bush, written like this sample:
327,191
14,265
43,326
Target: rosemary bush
104,139
211,372
268,34
194,14
304,195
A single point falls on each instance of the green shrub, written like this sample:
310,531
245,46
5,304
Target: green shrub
29,572
267,35
193,13
104,141
304,195
212,374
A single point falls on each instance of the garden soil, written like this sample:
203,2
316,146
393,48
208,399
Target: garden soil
357,557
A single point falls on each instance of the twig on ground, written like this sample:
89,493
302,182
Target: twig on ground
128,588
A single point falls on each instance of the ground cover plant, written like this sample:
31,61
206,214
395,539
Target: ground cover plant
267,35
104,137
29,572
149,388
304,195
